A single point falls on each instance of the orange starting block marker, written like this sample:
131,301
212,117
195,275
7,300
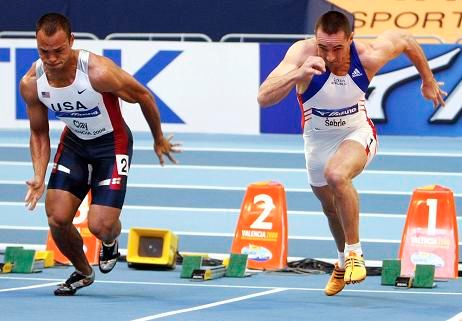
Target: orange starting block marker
261,232
430,234
91,245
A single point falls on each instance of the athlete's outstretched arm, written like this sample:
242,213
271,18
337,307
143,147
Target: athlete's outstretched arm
106,76
39,138
392,43
296,69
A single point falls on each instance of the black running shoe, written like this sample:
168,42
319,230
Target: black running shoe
76,281
108,256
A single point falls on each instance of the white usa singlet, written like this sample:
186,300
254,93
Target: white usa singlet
86,112
334,110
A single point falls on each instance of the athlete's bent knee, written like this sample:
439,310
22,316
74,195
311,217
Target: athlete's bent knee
104,229
335,178
58,221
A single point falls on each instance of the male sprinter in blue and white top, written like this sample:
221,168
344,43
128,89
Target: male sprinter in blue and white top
95,151
331,73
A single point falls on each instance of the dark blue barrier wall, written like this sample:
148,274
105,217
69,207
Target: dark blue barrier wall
212,17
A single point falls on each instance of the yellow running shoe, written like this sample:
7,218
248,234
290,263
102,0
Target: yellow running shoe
355,269
336,282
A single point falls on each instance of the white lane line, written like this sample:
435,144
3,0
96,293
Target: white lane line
193,149
296,150
15,163
233,211
217,234
24,228
209,305
232,188
257,169
392,290
411,173
28,287
230,235
457,317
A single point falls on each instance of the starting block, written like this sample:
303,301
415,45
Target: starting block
20,260
423,276
192,268
189,265
391,270
10,253
209,273
237,265
48,258
6,267
403,282
9,258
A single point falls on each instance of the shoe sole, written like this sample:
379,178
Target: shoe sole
108,270
65,293
331,294
71,293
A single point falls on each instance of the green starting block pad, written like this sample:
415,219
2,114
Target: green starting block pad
10,253
190,263
391,270
237,266
22,260
209,273
424,276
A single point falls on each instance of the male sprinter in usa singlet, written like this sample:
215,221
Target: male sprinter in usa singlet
95,151
331,73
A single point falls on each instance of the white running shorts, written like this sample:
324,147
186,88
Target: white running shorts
321,145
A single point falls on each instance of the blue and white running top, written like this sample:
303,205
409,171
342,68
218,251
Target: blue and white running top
334,102
86,112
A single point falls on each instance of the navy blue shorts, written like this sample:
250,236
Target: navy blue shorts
99,164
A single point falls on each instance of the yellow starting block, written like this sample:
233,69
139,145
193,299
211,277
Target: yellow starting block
48,258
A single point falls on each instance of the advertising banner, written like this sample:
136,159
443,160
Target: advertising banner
394,101
199,87
422,18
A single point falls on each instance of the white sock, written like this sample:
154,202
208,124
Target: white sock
109,245
341,259
356,248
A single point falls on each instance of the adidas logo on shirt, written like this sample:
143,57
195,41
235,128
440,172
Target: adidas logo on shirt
356,73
